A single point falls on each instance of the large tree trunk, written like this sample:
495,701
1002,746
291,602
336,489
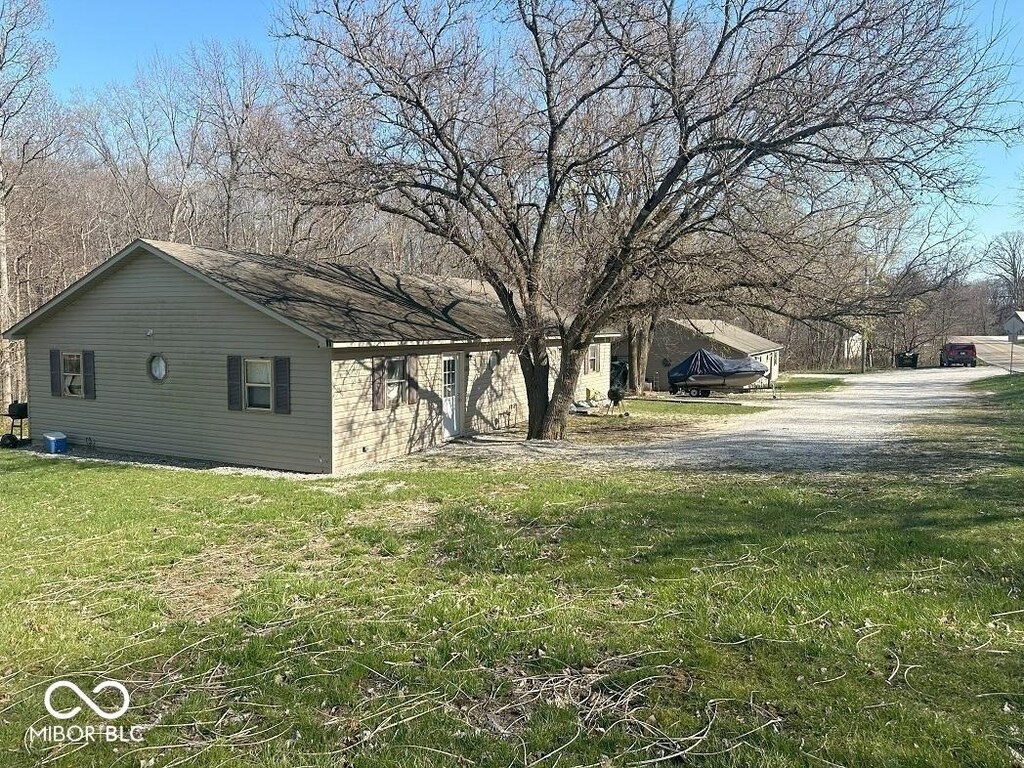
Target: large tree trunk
536,367
562,394
548,410
639,337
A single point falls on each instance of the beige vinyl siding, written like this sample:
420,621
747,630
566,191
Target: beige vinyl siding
770,359
492,398
496,397
361,434
596,382
195,327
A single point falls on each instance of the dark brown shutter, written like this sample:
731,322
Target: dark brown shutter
89,375
55,375
234,383
282,385
377,385
412,375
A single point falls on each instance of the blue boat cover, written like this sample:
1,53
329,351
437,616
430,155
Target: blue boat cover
704,362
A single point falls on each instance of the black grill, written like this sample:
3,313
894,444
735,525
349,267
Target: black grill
17,413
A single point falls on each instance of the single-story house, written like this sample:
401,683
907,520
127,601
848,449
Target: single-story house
675,340
178,350
1014,325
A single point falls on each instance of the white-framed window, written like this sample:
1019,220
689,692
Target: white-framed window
594,358
257,375
395,380
71,374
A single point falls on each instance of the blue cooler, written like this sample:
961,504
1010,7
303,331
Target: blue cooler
56,442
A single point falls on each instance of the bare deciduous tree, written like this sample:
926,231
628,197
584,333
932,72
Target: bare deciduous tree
568,149
26,136
1004,262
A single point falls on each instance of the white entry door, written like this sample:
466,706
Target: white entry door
450,396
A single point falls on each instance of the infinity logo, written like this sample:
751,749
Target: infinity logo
61,715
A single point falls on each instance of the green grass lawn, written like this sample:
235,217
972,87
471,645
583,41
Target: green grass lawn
805,384
497,617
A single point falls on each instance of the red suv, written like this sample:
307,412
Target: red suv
958,354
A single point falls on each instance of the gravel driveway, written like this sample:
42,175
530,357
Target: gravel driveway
852,427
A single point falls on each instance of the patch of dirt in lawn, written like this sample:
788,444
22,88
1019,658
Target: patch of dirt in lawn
631,429
246,499
398,516
376,484
206,585
317,555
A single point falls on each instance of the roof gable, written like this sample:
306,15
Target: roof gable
105,269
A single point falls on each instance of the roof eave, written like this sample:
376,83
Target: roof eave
415,343
391,343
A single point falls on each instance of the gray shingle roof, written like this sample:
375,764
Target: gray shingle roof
351,304
732,336
339,305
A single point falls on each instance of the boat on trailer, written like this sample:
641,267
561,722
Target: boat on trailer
704,372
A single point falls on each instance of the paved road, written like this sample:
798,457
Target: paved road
995,350
862,424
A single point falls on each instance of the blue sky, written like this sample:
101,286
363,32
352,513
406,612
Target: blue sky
101,41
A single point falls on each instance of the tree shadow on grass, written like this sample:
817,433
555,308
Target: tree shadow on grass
653,532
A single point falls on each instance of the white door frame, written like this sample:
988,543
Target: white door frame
451,395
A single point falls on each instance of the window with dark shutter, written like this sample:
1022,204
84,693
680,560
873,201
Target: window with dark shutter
72,378
377,384
89,375
234,383
55,373
282,385
412,374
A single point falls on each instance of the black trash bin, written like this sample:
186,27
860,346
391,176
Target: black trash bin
906,359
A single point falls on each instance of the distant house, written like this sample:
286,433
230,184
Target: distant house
184,351
675,340
1014,325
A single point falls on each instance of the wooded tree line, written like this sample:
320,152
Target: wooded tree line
596,162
